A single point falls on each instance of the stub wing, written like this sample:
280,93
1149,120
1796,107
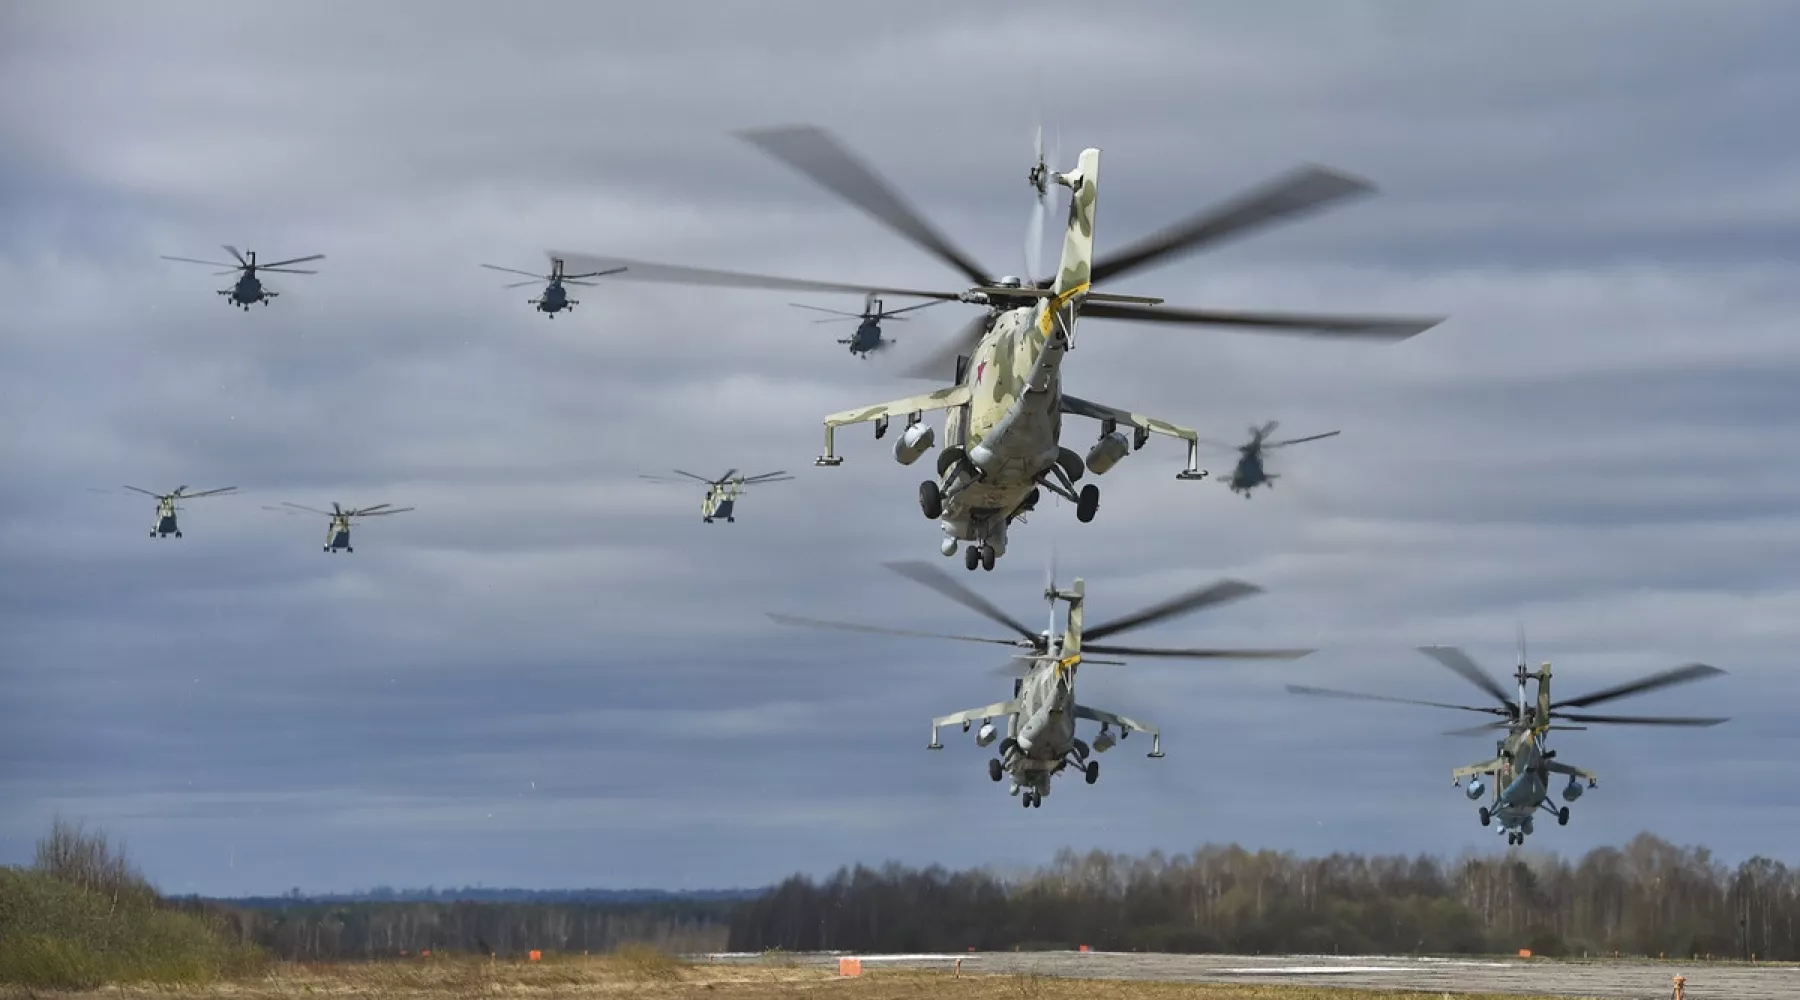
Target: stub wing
996,710
1462,774
1147,425
1558,767
942,399
1109,719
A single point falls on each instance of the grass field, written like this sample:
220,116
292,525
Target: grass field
644,973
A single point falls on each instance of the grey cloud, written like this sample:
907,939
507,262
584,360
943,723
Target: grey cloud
1594,443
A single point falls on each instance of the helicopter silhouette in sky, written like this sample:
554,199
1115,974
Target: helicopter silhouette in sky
867,338
555,297
1250,471
249,289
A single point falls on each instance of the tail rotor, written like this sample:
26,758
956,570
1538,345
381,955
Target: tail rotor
1039,178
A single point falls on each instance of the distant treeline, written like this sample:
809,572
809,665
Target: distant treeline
308,931
478,894
1649,898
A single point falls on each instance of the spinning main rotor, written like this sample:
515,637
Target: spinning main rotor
819,156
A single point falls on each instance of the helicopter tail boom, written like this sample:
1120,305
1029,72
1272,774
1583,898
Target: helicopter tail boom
1071,284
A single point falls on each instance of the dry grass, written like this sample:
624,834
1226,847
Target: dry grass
656,976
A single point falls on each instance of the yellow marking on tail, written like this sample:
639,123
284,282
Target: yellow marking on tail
1056,304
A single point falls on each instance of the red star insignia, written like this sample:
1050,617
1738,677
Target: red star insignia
978,370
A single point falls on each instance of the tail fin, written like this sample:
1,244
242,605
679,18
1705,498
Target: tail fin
1071,283
1071,645
1543,695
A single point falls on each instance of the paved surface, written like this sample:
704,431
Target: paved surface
1637,980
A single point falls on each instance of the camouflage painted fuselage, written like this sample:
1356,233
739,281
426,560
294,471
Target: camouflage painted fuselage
1044,730
1012,425
338,535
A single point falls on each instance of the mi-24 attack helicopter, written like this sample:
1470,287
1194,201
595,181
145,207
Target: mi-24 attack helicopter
338,535
1042,713
168,503
722,493
555,297
1522,764
1004,412
1250,472
248,288
867,339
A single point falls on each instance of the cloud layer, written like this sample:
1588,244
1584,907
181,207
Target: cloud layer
553,674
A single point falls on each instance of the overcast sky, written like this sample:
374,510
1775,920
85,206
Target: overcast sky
553,674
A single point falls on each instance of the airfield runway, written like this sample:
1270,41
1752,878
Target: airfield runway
1638,980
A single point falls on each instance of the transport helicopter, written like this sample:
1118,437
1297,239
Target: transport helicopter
722,493
248,288
867,339
337,536
555,297
1005,407
1250,471
168,503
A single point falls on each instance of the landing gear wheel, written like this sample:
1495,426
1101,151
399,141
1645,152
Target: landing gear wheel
178,534
708,520
1025,800
1562,816
349,548
731,520
931,500
1485,816
971,557
987,558
1037,800
1093,771
994,772
1088,503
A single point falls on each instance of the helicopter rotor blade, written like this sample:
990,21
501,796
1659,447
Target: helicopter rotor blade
1286,197
1458,662
835,312
891,313
643,270
514,270
309,510
1478,730
817,154
233,251
231,268
941,362
930,576
1184,603
1301,440
522,284
690,475
768,477
1193,654
294,260
1388,328
283,270
145,492
1359,696
1641,720
208,493
879,630
1662,679
595,274
371,512
725,478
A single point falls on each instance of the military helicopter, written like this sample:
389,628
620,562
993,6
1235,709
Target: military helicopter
1005,408
338,535
722,493
166,506
1249,472
1522,764
1041,716
555,297
867,339
249,288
